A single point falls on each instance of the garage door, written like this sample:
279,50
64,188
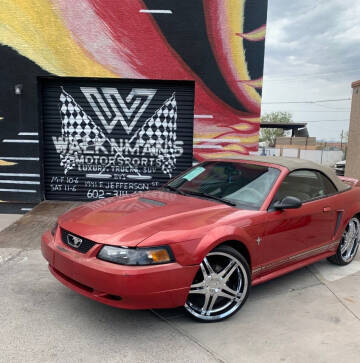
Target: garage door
110,137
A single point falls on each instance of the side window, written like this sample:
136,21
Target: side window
305,185
329,187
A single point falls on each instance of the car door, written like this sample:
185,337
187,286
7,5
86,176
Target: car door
298,233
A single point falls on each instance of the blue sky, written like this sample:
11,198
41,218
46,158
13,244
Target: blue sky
312,53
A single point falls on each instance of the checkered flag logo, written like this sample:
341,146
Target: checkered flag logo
159,132
78,131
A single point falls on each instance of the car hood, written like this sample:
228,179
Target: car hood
127,221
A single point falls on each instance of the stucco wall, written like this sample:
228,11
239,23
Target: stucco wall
352,168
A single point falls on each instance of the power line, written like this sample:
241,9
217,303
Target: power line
316,111
332,108
324,121
307,75
318,73
336,109
318,101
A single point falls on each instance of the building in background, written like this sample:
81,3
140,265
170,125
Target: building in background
352,168
301,145
218,44
332,145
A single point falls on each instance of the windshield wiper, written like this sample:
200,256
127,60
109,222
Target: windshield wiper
209,196
173,189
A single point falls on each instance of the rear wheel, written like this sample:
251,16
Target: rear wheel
349,244
220,287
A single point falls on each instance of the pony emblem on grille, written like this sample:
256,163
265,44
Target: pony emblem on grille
74,241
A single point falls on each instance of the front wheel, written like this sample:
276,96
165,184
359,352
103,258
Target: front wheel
220,287
349,244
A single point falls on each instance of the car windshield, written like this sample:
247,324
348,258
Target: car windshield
241,184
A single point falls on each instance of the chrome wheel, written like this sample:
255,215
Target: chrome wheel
350,240
220,286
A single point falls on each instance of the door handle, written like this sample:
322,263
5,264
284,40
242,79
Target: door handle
327,209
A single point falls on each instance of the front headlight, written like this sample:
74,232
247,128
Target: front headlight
136,256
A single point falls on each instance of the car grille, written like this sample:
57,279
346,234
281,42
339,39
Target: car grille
340,169
85,246
340,172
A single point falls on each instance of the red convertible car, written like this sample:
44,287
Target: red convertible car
206,237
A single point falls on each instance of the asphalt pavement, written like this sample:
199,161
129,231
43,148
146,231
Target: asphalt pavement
310,315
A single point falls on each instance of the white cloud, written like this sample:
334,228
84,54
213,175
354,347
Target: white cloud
312,52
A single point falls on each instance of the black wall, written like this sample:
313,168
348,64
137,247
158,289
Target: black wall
20,114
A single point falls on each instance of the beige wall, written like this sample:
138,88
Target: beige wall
353,154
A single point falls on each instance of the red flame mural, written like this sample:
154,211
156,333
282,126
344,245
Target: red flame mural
217,43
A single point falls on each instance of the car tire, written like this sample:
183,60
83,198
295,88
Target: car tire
348,245
220,287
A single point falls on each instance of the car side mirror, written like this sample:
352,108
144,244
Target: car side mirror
288,203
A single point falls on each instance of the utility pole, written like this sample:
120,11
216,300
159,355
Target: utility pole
341,139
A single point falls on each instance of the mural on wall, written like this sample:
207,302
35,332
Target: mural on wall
107,138
217,43
157,136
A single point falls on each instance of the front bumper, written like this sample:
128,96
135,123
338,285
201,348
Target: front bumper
127,287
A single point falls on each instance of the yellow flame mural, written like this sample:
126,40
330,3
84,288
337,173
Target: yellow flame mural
35,30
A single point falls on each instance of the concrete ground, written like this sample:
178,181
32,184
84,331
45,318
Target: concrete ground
311,315
7,219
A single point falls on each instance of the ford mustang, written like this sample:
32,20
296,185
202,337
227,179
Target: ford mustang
206,237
